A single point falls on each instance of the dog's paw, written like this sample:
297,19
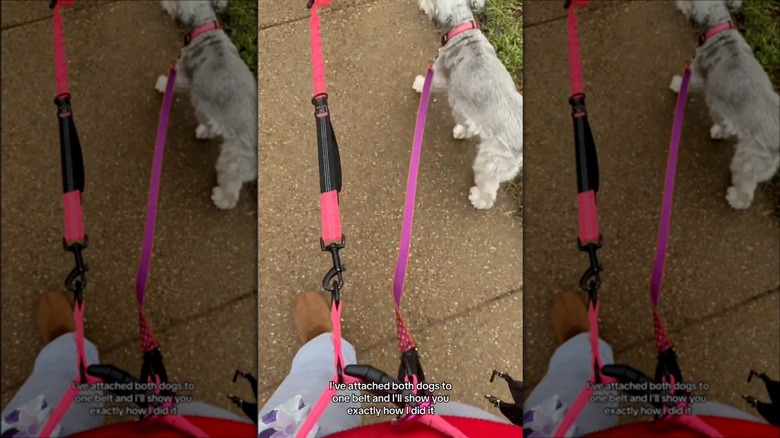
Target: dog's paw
717,132
676,84
222,199
419,83
481,200
738,200
460,132
202,132
427,7
162,83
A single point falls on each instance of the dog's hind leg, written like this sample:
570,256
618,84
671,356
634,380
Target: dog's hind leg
235,166
751,165
493,165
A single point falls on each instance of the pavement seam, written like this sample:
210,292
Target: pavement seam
425,326
173,323
87,7
329,10
601,6
648,340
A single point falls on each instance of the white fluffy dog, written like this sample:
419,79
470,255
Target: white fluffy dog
484,100
739,95
223,92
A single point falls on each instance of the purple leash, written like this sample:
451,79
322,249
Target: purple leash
663,342
411,192
147,340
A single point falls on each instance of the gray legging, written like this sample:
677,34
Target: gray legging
53,373
566,375
312,369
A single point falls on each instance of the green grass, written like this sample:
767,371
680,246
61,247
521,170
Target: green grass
758,22
240,23
502,23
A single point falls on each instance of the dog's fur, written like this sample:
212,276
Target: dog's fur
483,97
739,95
224,95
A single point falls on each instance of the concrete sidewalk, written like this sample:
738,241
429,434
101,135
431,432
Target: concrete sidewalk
202,291
463,292
722,286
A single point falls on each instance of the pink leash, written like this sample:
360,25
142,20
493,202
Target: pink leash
332,237
76,240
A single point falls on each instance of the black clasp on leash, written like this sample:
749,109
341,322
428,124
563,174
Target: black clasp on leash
411,366
770,411
590,281
52,4
566,4
153,367
334,280
76,281
131,386
512,411
310,4
248,408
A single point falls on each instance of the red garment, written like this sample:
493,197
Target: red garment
471,427
213,427
728,427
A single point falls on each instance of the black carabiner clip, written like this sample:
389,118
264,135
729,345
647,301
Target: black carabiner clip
334,279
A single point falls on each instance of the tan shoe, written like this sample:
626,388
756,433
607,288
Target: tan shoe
311,315
569,316
54,316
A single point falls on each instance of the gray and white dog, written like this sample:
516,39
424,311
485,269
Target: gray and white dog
739,95
223,92
483,97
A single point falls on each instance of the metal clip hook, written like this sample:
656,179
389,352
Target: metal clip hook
590,281
309,4
334,280
76,281
495,401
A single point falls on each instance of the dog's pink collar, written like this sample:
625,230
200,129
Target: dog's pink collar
469,25
200,30
714,30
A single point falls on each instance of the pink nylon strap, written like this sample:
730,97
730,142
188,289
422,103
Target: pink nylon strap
575,62
318,65
60,62
70,395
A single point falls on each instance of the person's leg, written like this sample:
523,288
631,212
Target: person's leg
312,367
570,365
55,367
